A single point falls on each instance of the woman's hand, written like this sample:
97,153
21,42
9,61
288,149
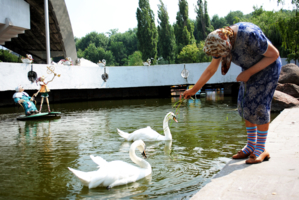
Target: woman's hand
188,93
243,76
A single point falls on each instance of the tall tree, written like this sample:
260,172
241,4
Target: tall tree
234,17
147,32
99,40
166,42
218,22
289,30
183,29
204,26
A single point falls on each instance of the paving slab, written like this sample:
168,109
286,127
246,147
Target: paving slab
277,178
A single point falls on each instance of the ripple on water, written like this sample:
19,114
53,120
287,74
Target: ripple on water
35,155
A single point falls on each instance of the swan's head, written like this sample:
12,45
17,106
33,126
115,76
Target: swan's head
171,115
141,147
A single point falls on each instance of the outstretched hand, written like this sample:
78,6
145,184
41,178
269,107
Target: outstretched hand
188,93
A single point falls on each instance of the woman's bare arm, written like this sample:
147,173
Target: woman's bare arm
270,56
204,78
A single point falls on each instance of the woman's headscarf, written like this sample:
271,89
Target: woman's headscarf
220,43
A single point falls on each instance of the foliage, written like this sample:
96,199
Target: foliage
99,39
202,56
189,54
129,40
95,54
234,17
147,32
135,59
166,41
183,29
267,21
118,50
218,22
290,35
121,48
7,56
204,26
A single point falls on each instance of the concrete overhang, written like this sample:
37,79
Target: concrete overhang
22,29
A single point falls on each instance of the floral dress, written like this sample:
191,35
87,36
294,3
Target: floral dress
255,96
28,105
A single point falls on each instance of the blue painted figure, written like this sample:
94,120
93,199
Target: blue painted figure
25,101
246,45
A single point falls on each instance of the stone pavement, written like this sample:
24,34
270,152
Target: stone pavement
277,178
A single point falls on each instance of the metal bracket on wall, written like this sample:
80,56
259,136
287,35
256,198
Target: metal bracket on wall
105,75
185,72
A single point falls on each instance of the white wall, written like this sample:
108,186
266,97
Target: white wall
90,77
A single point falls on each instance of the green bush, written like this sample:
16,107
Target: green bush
6,56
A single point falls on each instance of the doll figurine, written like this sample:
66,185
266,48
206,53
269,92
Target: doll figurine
44,90
25,101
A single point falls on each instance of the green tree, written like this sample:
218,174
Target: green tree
289,30
218,22
202,56
7,56
233,17
183,29
122,45
189,54
204,26
119,52
135,59
95,54
112,32
99,40
166,42
147,32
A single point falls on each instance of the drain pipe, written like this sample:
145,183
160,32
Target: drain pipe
47,31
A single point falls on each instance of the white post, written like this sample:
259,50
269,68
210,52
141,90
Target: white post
47,31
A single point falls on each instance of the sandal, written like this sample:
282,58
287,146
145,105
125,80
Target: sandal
240,155
265,156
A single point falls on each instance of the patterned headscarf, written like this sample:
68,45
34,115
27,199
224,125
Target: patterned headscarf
220,43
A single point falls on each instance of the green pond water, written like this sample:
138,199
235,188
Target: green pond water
34,155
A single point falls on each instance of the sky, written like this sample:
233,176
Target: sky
103,15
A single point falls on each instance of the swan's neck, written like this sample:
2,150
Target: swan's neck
139,161
166,128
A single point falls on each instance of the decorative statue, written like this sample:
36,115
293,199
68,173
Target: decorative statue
25,101
66,61
44,90
147,63
102,63
28,59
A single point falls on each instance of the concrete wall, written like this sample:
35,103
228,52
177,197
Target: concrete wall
90,77
66,31
17,11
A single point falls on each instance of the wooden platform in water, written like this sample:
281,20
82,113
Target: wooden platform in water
50,115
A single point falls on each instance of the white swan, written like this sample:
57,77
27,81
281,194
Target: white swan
148,134
116,172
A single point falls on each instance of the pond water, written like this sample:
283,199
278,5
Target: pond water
35,154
